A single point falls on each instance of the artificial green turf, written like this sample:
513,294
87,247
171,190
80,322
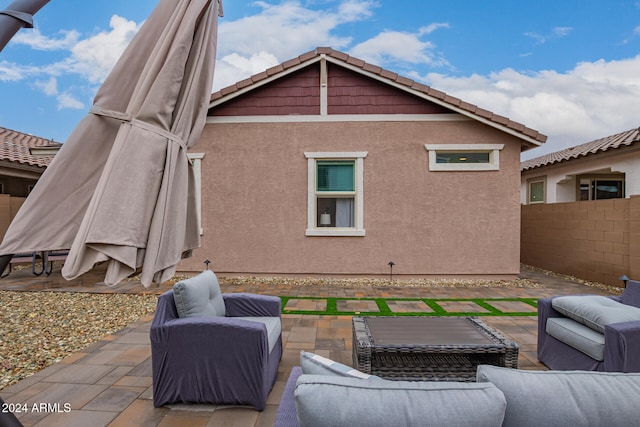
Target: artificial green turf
384,310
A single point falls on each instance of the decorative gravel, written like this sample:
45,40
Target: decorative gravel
368,282
38,329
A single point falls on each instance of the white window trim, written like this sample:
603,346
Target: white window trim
196,162
544,190
312,229
494,157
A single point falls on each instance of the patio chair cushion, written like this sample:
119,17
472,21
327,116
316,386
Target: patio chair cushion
559,398
595,311
631,294
318,365
325,400
274,328
199,296
577,335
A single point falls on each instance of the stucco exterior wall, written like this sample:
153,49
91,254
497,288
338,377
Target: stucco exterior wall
440,224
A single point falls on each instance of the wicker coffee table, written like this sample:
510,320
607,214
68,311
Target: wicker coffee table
428,348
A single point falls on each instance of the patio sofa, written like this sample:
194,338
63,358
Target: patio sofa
591,332
500,397
210,347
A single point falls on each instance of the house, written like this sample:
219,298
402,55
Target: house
607,168
581,210
327,165
23,158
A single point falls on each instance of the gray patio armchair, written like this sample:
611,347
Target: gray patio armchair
209,347
591,332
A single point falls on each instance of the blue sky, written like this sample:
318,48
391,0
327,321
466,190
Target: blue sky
569,69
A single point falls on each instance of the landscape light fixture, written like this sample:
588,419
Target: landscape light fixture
207,262
391,264
624,279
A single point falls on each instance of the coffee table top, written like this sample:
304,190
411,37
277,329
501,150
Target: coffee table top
437,330
428,348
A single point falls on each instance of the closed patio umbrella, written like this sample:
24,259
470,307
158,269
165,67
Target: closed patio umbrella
121,189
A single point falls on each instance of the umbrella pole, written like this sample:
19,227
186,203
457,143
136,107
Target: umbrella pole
17,15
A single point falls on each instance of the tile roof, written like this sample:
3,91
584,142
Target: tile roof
618,140
15,147
436,96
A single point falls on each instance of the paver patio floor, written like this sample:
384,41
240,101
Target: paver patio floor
109,383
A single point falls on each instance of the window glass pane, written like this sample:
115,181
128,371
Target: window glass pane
584,189
608,189
335,175
462,157
335,212
536,192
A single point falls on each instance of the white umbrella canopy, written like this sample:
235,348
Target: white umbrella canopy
121,189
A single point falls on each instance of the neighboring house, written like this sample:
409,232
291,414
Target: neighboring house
327,165
607,168
23,158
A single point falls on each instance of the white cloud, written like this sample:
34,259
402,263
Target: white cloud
10,72
432,27
561,31
34,39
595,98
94,57
230,67
48,87
556,33
393,46
66,100
281,31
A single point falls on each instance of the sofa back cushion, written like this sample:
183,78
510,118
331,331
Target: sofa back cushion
566,398
199,296
595,311
323,400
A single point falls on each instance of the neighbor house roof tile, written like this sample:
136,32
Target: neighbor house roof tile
622,139
15,147
400,80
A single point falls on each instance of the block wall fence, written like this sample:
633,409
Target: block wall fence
593,240
8,209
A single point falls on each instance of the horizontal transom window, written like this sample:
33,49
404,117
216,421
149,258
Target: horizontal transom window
464,157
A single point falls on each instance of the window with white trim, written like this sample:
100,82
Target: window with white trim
536,190
464,157
335,194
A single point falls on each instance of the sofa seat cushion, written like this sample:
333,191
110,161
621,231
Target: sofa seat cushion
562,398
577,335
595,311
199,296
274,328
323,400
315,364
